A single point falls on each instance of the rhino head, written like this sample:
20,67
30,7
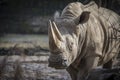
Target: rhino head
63,43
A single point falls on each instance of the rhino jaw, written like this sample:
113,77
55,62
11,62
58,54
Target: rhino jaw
57,62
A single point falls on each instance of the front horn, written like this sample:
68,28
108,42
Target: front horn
55,37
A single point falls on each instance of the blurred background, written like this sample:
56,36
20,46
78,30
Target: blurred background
31,16
23,37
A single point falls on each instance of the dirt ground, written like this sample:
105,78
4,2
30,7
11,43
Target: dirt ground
30,68
25,57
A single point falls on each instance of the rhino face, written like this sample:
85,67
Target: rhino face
63,48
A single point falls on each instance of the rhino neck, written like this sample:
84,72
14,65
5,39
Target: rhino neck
82,42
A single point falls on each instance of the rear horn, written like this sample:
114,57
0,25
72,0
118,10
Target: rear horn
57,32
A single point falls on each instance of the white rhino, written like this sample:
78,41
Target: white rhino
82,38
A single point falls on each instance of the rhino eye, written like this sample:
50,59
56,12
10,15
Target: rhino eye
70,46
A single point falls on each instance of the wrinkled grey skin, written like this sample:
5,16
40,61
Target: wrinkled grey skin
82,38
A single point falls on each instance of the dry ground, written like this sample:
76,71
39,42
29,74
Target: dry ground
24,57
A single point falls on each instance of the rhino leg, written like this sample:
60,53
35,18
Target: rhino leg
87,65
73,72
108,65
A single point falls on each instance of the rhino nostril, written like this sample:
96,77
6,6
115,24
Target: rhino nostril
65,60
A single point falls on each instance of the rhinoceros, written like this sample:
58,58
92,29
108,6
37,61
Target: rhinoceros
82,38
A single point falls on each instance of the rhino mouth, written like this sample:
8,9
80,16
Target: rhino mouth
58,64
57,61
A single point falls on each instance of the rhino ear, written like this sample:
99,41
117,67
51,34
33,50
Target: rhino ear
56,15
84,17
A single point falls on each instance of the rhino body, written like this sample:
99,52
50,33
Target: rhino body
82,38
